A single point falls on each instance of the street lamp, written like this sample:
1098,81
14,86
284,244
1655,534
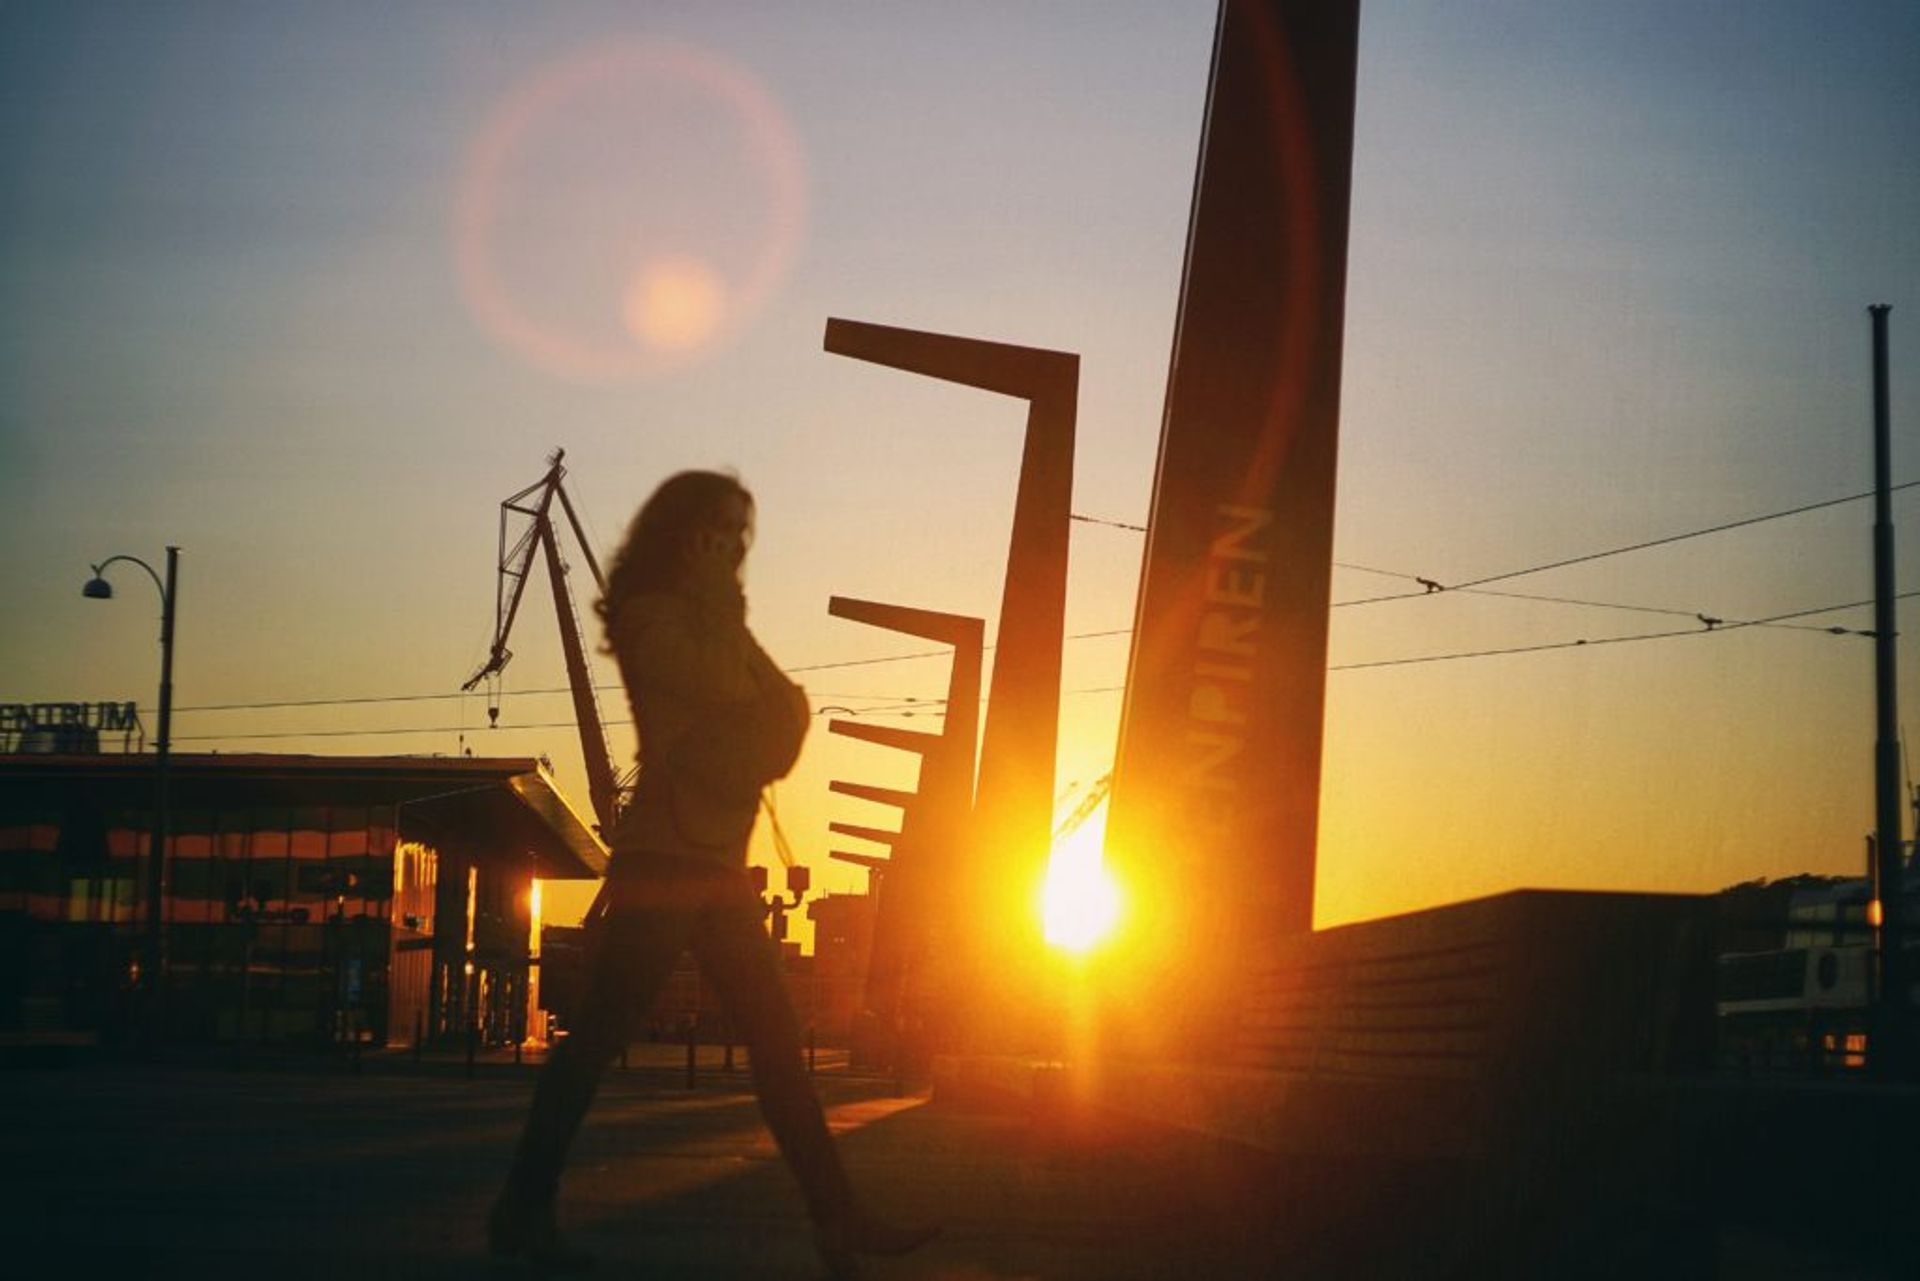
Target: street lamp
98,588
799,881
776,907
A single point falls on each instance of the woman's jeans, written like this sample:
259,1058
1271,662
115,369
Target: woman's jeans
662,906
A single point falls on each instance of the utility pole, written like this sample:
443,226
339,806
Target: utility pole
153,963
1892,1049
162,792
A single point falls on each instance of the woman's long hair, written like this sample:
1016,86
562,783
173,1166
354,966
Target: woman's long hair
649,558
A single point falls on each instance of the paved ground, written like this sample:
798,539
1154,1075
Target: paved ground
125,1170
128,1171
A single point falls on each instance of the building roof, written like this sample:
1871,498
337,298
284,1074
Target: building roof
497,801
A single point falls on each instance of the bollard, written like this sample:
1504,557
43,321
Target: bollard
473,1046
419,1034
516,1053
812,1046
693,1044
624,1047
726,1063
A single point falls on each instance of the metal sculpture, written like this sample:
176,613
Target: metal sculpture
1012,812
909,970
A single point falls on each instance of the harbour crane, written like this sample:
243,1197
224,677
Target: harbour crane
534,505
1092,800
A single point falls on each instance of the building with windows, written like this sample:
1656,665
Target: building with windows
1796,975
308,899
842,948
686,999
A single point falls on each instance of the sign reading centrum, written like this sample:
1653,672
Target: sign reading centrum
65,727
118,718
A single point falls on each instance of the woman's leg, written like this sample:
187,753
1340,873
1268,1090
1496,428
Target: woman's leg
743,964
632,958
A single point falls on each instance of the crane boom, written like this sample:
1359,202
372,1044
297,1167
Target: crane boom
1094,798
580,538
516,563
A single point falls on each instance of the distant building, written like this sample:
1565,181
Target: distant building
565,954
309,899
1796,976
686,995
563,970
842,945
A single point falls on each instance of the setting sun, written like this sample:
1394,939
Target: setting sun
1080,904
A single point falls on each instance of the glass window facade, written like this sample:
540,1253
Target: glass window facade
278,924
277,920
312,924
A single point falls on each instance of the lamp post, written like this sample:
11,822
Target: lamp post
98,588
776,906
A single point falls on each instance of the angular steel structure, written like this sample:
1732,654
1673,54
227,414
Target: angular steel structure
1013,802
910,970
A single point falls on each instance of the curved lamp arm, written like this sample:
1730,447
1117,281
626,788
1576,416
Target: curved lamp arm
99,575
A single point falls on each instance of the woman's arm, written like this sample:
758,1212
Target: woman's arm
697,650
753,744
743,720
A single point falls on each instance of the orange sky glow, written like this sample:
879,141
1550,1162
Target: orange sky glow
308,296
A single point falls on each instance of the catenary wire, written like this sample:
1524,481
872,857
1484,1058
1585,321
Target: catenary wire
1432,587
1435,589
1718,628
1662,541
927,707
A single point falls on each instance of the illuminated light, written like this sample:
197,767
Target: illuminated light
628,209
533,918
676,304
1080,903
1874,914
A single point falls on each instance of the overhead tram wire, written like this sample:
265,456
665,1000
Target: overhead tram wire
929,707
1435,589
1110,524
425,698
1719,628
1570,600
1675,538
609,687
1663,541
366,733
907,708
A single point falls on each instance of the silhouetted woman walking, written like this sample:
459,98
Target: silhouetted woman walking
717,721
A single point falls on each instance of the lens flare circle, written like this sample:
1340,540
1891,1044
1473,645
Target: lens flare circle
627,209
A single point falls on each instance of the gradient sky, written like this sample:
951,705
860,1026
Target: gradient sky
1610,266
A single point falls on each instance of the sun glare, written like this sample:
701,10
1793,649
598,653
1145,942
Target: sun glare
676,304
1080,904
